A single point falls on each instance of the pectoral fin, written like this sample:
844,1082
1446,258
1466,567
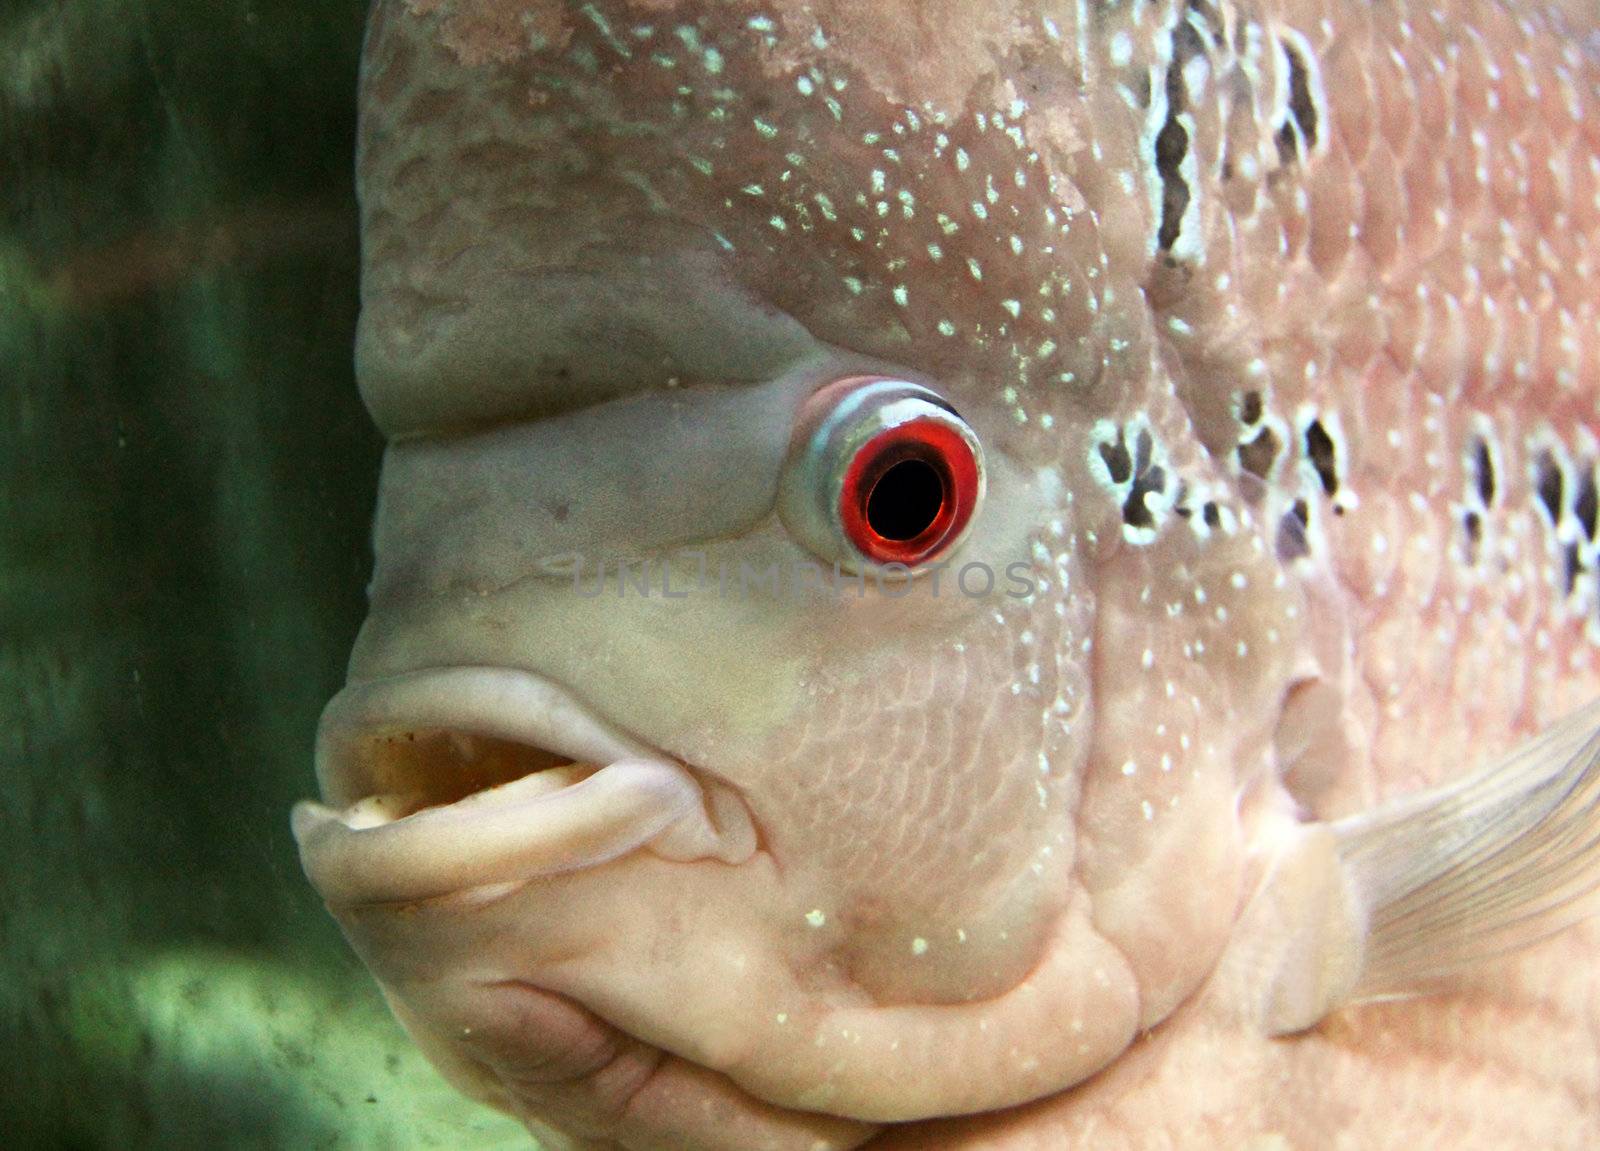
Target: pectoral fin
1382,903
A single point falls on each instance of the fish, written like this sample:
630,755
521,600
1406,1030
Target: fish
1002,575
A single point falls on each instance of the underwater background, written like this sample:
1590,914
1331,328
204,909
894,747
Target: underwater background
186,480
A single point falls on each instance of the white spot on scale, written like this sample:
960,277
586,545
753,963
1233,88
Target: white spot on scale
815,917
1121,50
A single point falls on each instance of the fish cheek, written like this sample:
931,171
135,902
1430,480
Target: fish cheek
922,791
1194,645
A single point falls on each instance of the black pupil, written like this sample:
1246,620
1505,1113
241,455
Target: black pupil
906,500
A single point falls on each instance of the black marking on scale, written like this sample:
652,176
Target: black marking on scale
1172,142
1320,451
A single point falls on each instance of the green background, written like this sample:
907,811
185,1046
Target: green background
186,478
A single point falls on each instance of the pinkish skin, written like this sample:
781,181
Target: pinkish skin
948,854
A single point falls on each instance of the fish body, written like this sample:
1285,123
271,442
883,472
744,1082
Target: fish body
1261,340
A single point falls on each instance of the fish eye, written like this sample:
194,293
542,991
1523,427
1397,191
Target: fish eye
880,472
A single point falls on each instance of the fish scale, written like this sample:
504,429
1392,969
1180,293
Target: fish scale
1273,320
1397,278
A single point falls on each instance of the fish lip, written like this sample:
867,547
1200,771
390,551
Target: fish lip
497,702
618,794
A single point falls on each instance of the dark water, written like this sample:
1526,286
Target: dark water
186,477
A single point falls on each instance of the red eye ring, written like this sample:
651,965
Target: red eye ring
880,472
927,474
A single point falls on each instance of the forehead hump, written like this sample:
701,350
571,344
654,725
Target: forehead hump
904,183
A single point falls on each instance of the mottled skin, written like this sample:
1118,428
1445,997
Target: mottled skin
1238,432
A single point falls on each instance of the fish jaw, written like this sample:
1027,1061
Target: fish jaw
541,906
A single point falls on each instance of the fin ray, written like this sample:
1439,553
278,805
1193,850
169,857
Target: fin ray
1488,864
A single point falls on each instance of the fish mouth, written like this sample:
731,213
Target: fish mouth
445,780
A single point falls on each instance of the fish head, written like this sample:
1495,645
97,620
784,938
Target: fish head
659,736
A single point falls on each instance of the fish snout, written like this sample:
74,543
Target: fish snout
442,781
